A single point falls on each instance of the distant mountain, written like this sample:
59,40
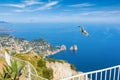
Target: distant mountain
5,29
3,22
21,45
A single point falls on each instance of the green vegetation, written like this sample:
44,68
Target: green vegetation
48,73
54,60
39,63
73,67
12,72
5,74
7,50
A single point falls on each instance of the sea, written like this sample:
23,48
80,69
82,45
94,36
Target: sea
100,50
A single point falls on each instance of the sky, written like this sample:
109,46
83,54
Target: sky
60,11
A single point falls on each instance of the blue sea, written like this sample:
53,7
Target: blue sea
100,50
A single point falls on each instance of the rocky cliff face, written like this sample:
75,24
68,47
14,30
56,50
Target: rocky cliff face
20,45
61,70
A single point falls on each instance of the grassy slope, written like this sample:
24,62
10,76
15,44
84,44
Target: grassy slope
38,62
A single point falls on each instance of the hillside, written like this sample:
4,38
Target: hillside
49,68
21,45
32,51
46,68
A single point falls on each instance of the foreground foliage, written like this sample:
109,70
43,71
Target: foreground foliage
39,63
12,72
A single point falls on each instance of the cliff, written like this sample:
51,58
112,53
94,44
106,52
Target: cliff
50,68
61,69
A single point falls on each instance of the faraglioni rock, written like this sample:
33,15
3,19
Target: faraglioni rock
74,48
63,47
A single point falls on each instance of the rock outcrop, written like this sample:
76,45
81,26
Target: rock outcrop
61,70
63,47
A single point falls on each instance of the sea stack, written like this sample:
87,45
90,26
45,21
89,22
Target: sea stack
63,47
74,48
71,48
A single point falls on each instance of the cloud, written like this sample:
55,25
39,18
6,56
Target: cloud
43,7
23,4
70,18
14,5
100,13
48,5
19,11
75,18
32,2
23,7
81,5
5,14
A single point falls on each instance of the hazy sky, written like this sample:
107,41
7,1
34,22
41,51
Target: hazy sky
60,10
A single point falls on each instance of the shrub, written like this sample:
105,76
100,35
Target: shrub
41,63
12,72
73,67
53,60
47,73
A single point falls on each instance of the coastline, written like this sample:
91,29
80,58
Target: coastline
49,53
58,49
